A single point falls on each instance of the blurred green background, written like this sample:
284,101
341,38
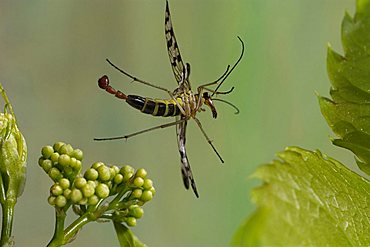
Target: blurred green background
53,52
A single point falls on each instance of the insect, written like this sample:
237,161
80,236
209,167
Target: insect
183,104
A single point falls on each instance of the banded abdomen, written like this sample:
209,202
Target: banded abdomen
155,107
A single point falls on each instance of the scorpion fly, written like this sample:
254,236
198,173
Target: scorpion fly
183,103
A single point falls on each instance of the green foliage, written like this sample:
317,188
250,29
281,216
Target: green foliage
309,199
125,237
348,112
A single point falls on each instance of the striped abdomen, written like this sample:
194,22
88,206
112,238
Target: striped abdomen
155,107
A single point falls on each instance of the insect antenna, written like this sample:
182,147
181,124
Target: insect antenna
231,70
228,103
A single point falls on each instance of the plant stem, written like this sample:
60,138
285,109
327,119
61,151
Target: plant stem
58,237
7,224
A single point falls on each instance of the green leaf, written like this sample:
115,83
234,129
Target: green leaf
307,199
125,237
348,112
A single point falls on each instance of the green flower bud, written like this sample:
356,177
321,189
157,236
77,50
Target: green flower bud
148,184
146,196
55,174
91,174
116,169
46,165
55,157
64,183
78,154
102,190
97,164
60,201
138,182
66,149
88,190
80,182
75,164
127,170
93,183
13,153
83,201
51,200
118,178
112,173
136,211
57,146
56,190
136,194
152,190
93,200
141,173
47,151
64,160
131,221
104,173
67,193
76,195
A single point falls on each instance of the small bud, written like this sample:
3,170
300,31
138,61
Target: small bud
88,190
91,174
97,164
57,146
46,165
76,195
141,173
64,183
118,179
77,153
64,160
66,149
136,194
47,151
148,184
55,157
102,190
138,182
60,201
55,174
80,182
136,211
51,200
146,196
131,221
93,200
56,190
104,173
67,193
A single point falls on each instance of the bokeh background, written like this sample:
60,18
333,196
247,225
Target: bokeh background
53,52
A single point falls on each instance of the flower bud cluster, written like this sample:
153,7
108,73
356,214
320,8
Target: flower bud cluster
61,161
128,188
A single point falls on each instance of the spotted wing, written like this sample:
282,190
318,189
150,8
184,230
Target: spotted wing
187,175
179,70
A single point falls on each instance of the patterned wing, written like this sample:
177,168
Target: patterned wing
187,175
179,70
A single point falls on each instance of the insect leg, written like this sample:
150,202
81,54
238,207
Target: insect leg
140,132
207,138
137,79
